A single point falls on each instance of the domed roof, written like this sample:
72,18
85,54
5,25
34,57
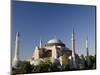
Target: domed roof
54,41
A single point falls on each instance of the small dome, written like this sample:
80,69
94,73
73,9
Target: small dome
54,41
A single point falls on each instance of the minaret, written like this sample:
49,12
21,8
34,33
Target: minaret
16,57
87,52
40,44
73,51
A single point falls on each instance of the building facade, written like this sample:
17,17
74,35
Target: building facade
52,50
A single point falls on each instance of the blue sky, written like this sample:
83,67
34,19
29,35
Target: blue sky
35,21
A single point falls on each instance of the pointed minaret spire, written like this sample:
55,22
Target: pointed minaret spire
73,50
16,57
87,52
40,44
87,46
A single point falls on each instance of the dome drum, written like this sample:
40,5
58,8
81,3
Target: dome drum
56,44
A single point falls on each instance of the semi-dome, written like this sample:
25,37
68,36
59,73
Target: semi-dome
54,41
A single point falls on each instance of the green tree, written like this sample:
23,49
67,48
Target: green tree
65,62
94,66
82,57
46,66
16,71
13,72
82,62
25,67
54,67
81,66
93,62
47,61
42,67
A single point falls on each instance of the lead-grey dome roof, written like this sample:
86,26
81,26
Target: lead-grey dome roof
55,41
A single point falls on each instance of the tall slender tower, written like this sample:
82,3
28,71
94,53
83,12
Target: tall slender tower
16,57
87,52
73,50
40,44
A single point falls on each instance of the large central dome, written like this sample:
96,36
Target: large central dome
52,41
55,41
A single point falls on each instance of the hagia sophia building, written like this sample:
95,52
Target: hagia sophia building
53,50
